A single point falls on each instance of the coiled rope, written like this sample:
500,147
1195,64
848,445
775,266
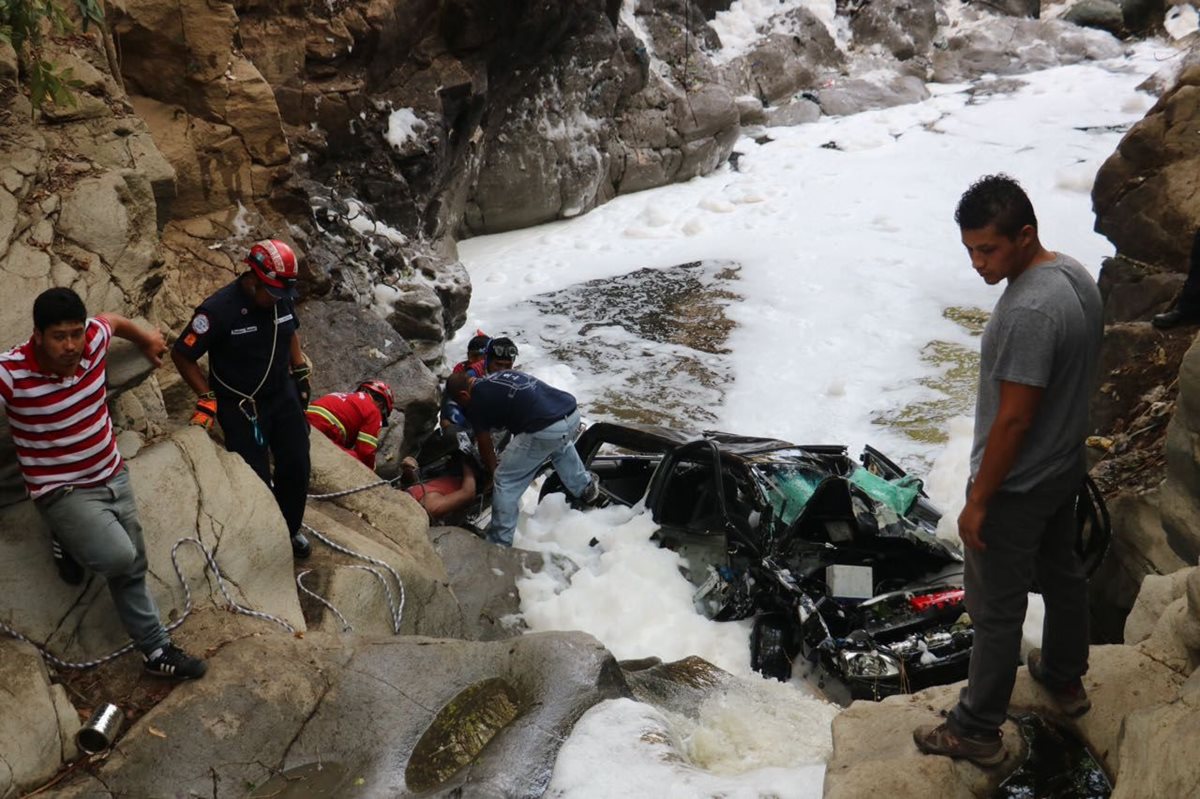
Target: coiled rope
395,608
211,564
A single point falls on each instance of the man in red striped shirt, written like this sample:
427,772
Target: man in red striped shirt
53,389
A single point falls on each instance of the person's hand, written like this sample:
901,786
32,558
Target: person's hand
153,346
409,464
206,411
970,525
301,374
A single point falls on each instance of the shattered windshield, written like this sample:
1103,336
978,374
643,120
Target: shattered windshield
788,484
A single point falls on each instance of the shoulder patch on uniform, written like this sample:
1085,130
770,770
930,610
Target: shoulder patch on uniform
200,323
189,340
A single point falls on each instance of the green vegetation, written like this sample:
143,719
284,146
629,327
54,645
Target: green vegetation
25,24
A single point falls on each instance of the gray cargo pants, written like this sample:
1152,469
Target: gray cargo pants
99,527
1028,534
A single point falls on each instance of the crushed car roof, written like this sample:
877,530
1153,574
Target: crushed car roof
655,438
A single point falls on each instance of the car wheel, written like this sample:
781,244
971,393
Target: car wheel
769,647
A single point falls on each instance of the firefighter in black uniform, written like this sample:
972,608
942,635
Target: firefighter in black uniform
257,386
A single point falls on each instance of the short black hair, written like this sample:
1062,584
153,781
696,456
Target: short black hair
457,383
995,200
56,305
477,344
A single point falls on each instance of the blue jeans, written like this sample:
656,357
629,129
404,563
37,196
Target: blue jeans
99,527
519,464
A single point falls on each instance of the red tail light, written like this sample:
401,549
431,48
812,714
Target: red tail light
936,599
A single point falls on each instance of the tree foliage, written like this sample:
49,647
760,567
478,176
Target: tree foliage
24,24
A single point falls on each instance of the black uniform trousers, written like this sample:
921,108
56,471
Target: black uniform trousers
284,433
1189,299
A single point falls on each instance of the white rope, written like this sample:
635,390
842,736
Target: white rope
348,491
396,608
211,565
346,626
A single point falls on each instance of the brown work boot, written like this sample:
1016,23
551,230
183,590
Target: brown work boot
939,739
1071,697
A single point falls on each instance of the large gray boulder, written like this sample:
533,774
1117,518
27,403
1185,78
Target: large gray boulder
1008,45
37,729
905,28
386,716
1139,553
873,750
1105,15
780,65
1180,503
855,95
388,513
1145,204
1135,291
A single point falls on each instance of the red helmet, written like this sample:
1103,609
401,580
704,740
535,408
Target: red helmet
381,390
275,265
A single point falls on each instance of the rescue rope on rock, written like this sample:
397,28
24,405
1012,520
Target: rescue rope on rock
349,491
211,564
396,609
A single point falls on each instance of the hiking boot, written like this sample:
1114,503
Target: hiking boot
939,739
1071,697
301,549
68,568
171,661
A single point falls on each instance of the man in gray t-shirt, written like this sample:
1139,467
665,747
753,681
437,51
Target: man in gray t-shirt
1037,370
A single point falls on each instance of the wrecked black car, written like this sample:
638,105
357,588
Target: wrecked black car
836,560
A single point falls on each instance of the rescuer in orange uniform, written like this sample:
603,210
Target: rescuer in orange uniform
354,420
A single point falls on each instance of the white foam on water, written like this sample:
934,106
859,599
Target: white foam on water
657,761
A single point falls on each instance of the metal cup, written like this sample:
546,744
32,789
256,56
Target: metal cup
100,730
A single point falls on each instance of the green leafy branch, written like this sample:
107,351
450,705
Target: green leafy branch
24,25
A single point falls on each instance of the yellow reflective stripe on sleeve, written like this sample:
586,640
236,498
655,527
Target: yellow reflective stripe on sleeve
329,417
369,440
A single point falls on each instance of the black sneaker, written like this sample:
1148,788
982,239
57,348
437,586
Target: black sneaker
301,549
68,568
171,661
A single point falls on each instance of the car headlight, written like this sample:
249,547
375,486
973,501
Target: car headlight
871,665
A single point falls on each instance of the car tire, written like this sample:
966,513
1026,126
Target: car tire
769,647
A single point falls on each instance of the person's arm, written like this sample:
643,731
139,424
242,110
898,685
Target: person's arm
1017,408
487,450
191,373
300,371
149,340
438,505
295,354
365,447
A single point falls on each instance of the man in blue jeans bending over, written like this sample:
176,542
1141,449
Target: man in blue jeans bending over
541,419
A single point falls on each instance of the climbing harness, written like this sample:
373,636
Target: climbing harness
246,404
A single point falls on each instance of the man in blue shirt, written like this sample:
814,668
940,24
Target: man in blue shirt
257,385
542,420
